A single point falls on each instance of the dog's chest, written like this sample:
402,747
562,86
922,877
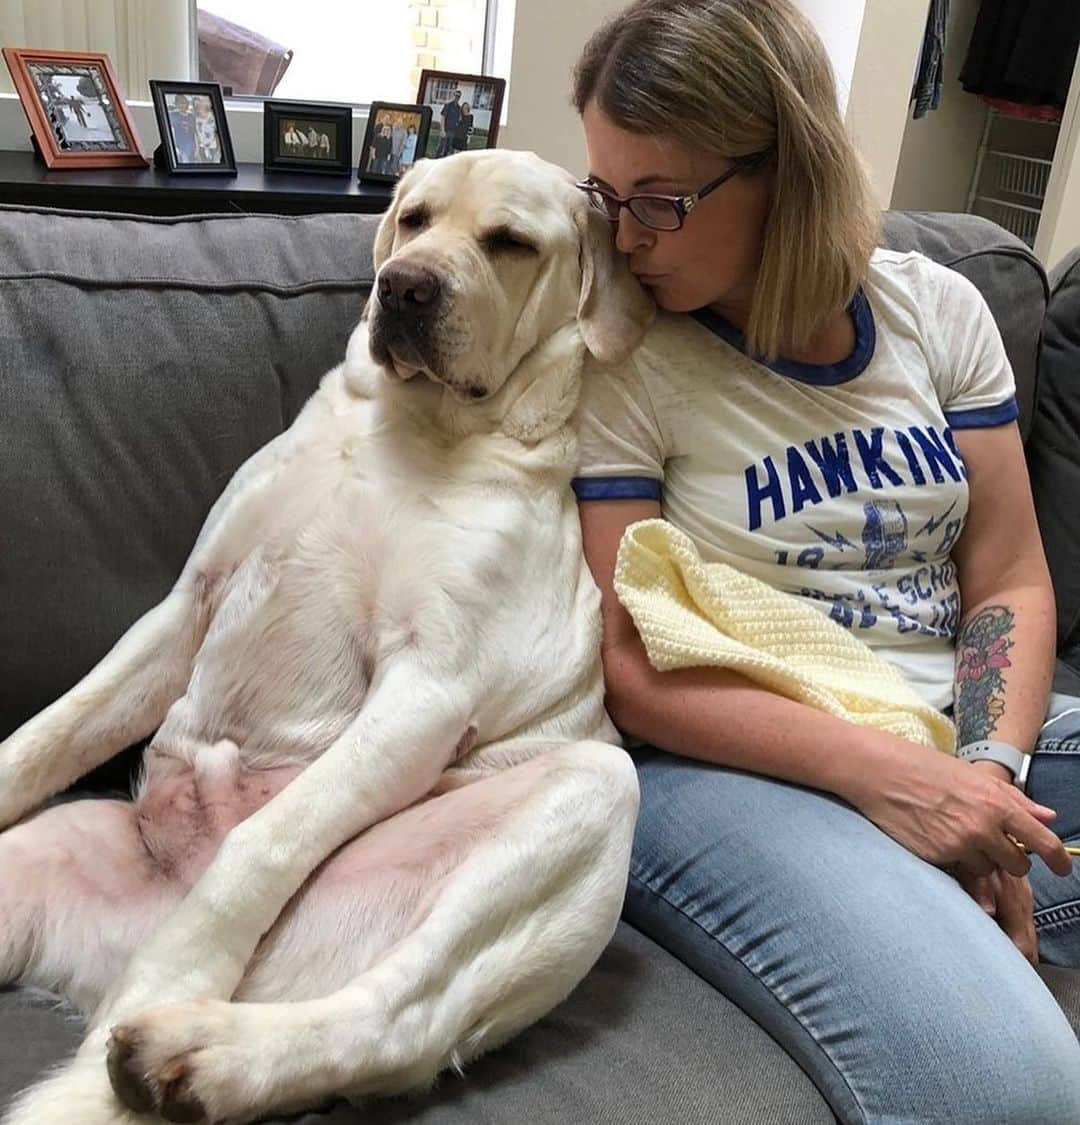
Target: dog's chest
357,564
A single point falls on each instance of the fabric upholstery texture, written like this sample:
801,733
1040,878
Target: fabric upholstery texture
642,1041
1054,451
1005,271
141,362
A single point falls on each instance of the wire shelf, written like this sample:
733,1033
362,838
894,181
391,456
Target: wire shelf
1017,218
1012,174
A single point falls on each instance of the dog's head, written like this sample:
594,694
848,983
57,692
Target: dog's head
485,256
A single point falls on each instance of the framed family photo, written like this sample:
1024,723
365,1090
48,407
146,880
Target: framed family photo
193,127
307,137
465,110
394,141
77,117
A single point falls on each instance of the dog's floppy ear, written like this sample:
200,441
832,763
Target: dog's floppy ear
384,236
614,310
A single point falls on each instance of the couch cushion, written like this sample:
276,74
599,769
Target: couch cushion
641,1042
1005,271
141,361
1054,450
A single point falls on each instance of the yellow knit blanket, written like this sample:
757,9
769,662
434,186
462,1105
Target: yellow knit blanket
692,614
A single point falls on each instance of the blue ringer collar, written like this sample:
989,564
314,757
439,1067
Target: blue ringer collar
819,374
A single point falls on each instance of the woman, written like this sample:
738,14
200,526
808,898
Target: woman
207,149
408,153
857,894
459,142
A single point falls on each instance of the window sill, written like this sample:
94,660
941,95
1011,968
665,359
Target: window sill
24,180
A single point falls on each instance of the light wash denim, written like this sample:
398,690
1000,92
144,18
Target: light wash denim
892,989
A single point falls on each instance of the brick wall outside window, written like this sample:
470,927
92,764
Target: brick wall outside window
447,35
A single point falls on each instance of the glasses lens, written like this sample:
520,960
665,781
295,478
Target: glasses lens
603,202
660,214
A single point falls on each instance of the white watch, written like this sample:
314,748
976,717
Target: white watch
1005,754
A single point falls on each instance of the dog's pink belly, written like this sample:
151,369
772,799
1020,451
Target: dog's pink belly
182,819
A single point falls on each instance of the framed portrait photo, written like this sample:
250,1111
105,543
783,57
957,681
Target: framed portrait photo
394,141
193,127
307,137
465,110
77,117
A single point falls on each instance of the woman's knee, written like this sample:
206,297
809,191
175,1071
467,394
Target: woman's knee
1021,1067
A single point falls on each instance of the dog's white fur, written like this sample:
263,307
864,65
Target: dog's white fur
382,825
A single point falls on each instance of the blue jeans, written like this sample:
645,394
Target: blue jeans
874,970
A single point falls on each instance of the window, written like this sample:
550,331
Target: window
356,51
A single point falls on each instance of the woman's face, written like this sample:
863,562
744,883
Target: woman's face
713,260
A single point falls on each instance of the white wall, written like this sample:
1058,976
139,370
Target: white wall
889,46
839,23
548,37
938,154
1059,227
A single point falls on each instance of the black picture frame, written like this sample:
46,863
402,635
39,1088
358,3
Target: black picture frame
279,115
382,115
483,92
185,158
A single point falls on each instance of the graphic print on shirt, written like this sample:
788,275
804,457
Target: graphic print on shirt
885,534
907,573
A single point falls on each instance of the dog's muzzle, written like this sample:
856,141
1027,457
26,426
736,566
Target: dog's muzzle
408,289
409,297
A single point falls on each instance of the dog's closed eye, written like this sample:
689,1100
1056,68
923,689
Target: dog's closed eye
503,240
415,219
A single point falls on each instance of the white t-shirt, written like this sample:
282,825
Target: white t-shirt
839,483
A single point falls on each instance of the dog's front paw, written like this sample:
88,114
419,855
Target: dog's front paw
190,1062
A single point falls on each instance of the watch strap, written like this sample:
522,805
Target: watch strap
1004,753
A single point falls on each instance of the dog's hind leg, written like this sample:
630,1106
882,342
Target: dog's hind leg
524,908
78,893
76,896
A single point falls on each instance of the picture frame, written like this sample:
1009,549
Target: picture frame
194,130
307,137
478,99
77,115
386,153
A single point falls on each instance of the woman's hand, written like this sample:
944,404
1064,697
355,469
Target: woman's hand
1010,901
953,813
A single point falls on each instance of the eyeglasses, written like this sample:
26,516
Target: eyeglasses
663,212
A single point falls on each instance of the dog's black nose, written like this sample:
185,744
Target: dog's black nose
404,285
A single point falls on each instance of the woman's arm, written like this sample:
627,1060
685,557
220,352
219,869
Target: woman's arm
940,808
1005,647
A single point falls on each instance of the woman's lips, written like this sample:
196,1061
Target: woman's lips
650,278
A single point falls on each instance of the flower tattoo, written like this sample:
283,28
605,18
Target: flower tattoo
981,657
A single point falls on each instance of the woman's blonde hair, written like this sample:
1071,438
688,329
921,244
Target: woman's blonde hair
734,78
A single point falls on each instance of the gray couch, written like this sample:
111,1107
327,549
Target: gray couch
141,360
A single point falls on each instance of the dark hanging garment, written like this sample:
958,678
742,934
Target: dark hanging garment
926,93
1023,51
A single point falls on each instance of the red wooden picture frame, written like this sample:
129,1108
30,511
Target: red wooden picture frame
47,122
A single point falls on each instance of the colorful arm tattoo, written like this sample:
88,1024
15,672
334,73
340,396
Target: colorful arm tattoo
981,649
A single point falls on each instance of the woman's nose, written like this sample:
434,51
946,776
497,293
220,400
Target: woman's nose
630,235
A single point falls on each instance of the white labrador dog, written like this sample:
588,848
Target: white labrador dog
382,825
